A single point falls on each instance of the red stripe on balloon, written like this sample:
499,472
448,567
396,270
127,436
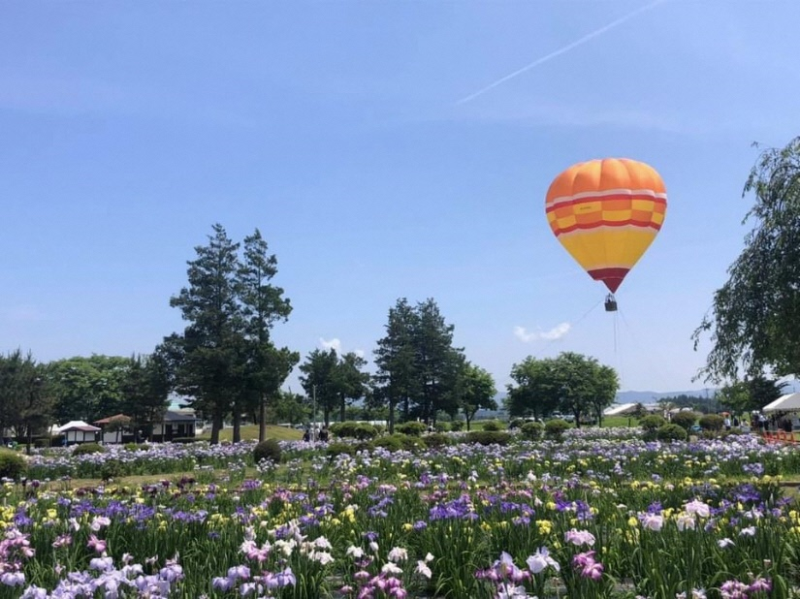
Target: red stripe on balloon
621,196
603,223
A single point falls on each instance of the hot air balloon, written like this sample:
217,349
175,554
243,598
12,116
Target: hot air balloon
606,213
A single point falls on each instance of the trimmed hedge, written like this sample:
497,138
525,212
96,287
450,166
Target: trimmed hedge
488,437
87,448
12,465
554,429
269,450
532,431
414,429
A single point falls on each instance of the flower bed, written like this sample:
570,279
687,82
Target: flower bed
590,517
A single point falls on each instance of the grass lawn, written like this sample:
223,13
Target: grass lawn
623,421
250,431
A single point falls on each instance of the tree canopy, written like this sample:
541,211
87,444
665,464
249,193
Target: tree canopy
754,322
571,383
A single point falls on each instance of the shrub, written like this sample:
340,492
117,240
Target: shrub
41,442
389,443
354,430
532,430
111,469
441,427
671,432
488,437
712,422
493,426
338,448
652,422
12,465
138,447
516,423
268,450
411,428
87,448
684,419
554,429
457,425
436,440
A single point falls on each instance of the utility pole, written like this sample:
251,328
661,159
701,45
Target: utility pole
314,413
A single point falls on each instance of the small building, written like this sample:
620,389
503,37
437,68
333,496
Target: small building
116,429
78,431
175,425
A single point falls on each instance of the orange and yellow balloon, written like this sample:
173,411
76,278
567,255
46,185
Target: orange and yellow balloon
606,214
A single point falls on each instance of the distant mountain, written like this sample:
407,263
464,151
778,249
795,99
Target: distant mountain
647,397
644,397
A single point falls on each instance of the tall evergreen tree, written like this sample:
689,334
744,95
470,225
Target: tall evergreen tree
438,363
211,360
263,305
395,358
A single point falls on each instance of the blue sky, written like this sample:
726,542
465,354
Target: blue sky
127,129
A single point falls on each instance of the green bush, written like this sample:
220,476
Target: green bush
338,448
399,441
532,430
414,429
354,430
184,440
41,442
712,422
554,429
12,465
652,422
488,437
111,469
441,427
671,432
457,425
87,448
268,450
436,440
516,423
685,420
138,447
493,426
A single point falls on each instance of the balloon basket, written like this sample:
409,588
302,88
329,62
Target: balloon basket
611,303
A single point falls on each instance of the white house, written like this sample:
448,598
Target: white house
78,431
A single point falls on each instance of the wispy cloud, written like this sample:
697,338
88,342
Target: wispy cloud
553,334
563,50
334,344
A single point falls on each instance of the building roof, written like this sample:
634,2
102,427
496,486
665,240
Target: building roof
110,418
78,425
173,416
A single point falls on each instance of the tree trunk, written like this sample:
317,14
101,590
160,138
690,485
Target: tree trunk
391,417
262,418
28,446
342,414
237,424
577,419
216,427
468,418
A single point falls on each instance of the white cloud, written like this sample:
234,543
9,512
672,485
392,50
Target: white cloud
334,344
360,353
553,334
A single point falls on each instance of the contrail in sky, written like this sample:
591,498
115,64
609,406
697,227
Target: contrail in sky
564,50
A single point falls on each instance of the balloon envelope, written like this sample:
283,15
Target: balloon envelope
606,214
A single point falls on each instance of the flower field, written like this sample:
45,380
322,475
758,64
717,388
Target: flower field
600,514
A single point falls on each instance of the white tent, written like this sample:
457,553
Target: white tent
620,410
785,403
